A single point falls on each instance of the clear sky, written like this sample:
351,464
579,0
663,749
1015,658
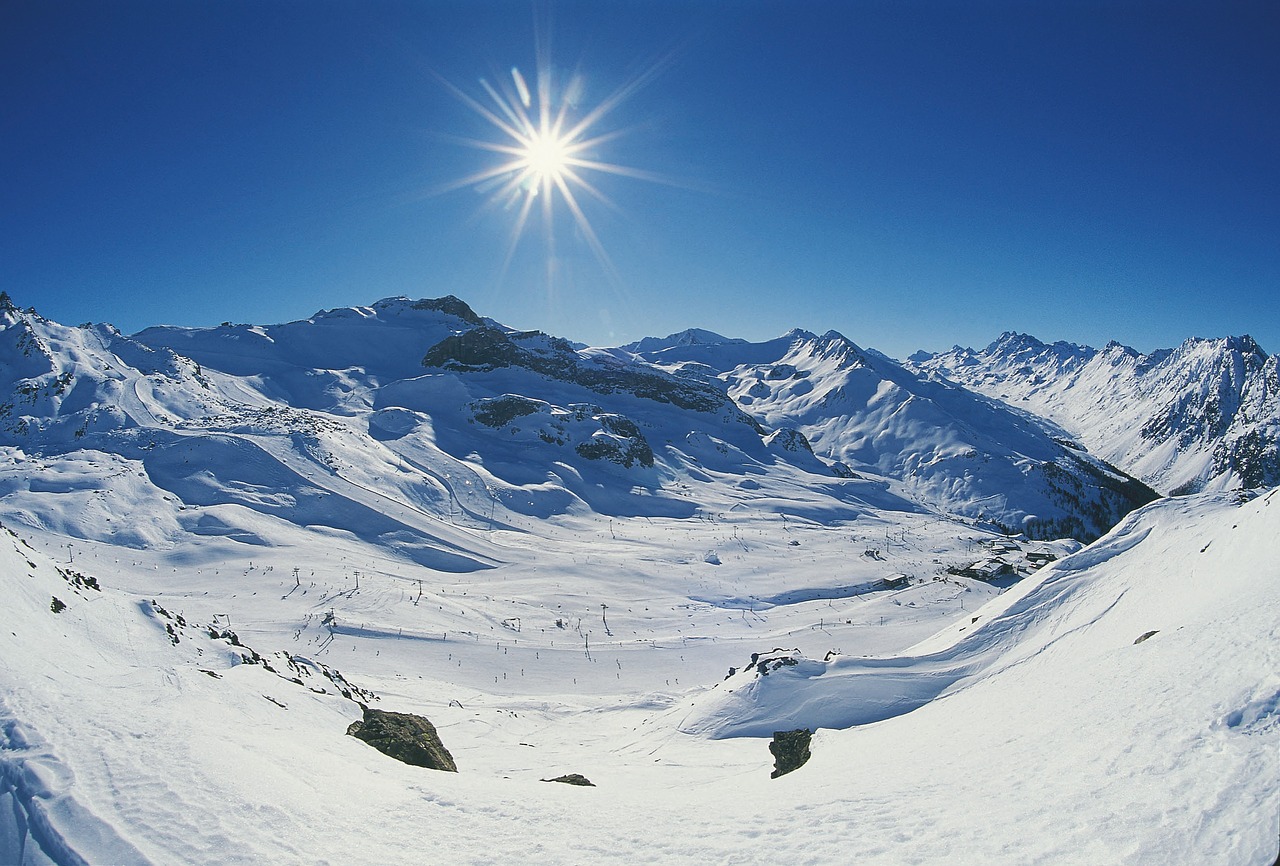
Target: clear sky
912,174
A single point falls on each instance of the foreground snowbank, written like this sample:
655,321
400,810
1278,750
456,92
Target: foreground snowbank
1045,732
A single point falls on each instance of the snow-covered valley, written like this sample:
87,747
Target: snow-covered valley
633,564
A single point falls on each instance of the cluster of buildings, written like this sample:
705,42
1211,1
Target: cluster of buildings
1006,558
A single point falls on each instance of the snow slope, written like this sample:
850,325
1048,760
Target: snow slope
944,446
133,734
223,540
1203,416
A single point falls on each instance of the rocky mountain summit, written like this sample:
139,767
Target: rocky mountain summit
1202,416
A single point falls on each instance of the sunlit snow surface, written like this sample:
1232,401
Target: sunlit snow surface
220,540
1033,730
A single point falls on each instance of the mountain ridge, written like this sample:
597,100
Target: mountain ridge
820,404
1204,415
553,553
862,410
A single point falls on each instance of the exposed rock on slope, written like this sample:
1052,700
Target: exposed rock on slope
404,736
573,779
790,750
485,348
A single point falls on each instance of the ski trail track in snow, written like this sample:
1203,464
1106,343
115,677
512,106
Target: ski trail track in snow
41,824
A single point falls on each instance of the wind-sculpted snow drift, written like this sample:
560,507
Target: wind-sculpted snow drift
781,691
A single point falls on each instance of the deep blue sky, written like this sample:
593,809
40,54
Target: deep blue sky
912,174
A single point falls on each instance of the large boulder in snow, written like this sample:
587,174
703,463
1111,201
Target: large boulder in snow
405,737
619,440
790,750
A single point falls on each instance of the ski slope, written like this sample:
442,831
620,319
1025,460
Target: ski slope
222,542
1034,727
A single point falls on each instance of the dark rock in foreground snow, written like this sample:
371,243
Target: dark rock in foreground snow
790,750
573,779
405,737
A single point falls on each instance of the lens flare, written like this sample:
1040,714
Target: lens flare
548,145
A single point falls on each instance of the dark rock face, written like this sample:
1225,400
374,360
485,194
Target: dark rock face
497,411
452,306
486,348
790,750
617,437
481,348
573,779
1252,455
791,439
625,445
405,737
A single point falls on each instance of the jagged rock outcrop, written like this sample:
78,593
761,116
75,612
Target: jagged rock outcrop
404,736
485,348
620,441
449,305
595,434
573,779
790,439
790,750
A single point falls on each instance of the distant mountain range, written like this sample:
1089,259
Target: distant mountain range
1026,436
945,446
1203,416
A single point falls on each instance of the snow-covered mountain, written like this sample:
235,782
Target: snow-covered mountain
225,545
381,419
1203,416
687,337
945,446
402,421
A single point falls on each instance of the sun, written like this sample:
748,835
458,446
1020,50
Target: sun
548,144
547,157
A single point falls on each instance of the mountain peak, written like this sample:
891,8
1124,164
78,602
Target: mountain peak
1012,344
449,305
1243,345
9,312
1246,345
1012,341
687,337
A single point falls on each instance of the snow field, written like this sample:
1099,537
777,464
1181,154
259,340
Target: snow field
215,558
1073,743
